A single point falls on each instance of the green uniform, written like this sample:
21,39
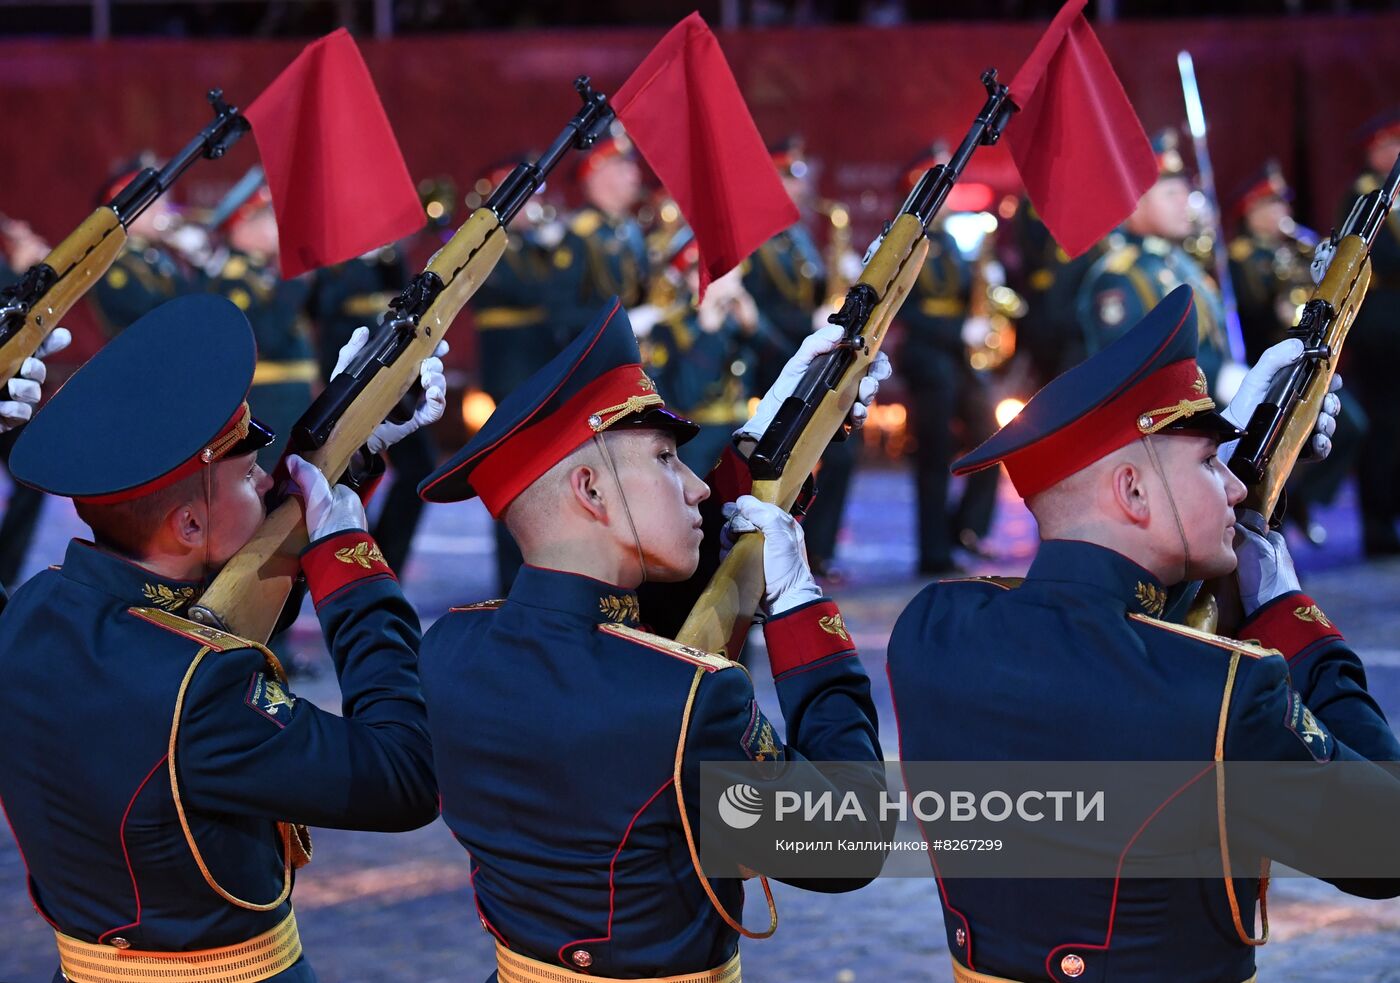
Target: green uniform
1130,279
522,311
144,276
949,403
1373,350
615,264
286,367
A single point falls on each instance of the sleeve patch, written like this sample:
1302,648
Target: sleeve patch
1305,727
760,741
270,698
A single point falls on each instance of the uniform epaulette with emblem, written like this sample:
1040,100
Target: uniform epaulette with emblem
1251,649
1241,248
1121,260
586,223
479,606
1005,583
219,641
696,657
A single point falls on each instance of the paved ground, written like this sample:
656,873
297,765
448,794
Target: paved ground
375,907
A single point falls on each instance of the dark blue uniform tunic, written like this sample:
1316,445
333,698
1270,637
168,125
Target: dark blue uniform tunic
1074,665
555,728
86,719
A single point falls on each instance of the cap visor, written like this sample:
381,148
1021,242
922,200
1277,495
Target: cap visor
1210,424
660,418
258,437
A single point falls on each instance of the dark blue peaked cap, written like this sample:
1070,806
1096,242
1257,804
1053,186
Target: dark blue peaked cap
595,384
164,398
1145,382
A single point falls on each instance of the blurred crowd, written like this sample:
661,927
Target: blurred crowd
997,311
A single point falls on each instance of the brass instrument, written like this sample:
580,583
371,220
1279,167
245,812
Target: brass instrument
1000,305
838,247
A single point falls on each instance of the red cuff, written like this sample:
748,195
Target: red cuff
1289,623
730,477
805,635
342,559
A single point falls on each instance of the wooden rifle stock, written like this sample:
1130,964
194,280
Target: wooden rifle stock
73,267
248,595
721,618
1282,427
49,290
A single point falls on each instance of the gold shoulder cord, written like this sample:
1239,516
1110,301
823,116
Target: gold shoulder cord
1220,814
690,836
296,839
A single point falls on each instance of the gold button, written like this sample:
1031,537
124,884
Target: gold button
582,958
119,943
1072,965
961,937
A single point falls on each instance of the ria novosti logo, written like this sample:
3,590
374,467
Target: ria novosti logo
741,806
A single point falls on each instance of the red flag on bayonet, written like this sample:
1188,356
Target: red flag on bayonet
684,111
1077,142
339,183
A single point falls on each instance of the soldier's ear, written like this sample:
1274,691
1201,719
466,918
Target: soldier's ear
1129,493
187,526
586,488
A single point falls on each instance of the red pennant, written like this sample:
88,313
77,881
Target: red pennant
684,111
339,183
1077,142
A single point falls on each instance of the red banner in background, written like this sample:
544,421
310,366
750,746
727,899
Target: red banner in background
865,99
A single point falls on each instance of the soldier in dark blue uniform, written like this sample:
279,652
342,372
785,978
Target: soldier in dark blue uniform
1117,461
147,272
276,308
165,816
1373,345
1145,261
582,858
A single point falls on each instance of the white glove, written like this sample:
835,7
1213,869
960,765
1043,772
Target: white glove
788,581
643,318
819,342
26,388
1265,566
878,372
430,408
1255,387
328,510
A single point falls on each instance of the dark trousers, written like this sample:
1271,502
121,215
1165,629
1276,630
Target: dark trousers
1373,350
951,410
823,522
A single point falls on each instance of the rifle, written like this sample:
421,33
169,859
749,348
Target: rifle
1282,425
32,308
809,418
251,590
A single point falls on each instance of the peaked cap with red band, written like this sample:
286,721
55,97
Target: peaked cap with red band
163,399
594,385
1146,382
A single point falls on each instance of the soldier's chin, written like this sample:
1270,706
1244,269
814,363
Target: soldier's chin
1220,565
674,573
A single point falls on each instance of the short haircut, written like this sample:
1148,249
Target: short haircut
128,527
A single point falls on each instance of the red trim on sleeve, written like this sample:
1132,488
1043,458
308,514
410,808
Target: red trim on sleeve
730,477
1289,623
805,635
338,561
